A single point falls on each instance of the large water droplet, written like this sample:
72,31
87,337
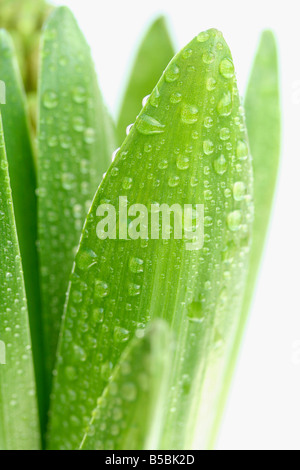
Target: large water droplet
234,220
195,312
203,37
239,190
147,125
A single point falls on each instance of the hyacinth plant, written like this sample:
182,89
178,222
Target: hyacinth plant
128,342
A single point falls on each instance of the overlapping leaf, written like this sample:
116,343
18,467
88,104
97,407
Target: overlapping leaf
19,424
130,413
153,56
74,150
188,146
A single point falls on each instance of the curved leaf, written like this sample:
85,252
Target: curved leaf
19,426
188,146
74,150
23,185
263,119
154,54
129,415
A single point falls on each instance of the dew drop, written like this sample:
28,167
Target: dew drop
208,147
85,258
147,125
175,98
89,136
227,68
239,190
136,265
172,73
189,114
50,99
208,57
203,37
234,220
154,98
224,133
220,165
242,150
225,104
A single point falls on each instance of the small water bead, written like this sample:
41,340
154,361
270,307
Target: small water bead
172,73
220,165
101,289
173,181
154,98
225,104
136,265
145,100
175,98
85,258
121,335
78,123
227,193
211,84
53,141
79,95
182,162
208,122
208,147
127,183
242,150
89,135
128,128
187,53
115,153
234,220
189,114
203,37
50,99
227,68
134,289
208,57
79,353
224,133
68,181
147,125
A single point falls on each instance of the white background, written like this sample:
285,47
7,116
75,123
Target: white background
263,411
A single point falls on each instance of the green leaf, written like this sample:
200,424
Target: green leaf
188,146
74,150
263,119
19,426
129,415
23,185
154,54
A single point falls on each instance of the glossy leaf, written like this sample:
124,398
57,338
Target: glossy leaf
19,425
23,185
263,119
153,55
74,150
188,146
129,415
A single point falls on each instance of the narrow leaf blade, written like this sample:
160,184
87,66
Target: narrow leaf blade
129,415
23,185
19,424
263,119
75,148
187,147
154,54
